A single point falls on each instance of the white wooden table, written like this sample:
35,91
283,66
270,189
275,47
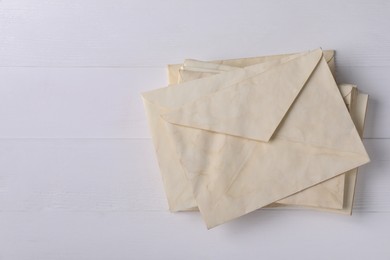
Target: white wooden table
78,174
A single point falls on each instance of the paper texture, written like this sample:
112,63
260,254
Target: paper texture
326,195
244,138
174,69
329,194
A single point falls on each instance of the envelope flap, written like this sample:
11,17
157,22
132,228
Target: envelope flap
252,108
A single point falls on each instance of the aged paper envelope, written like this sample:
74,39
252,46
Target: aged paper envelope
357,106
266,137
326,195
174,69
177,187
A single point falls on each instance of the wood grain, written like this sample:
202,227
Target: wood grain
152,33
155,235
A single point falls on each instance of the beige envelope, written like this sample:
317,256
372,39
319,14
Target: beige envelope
357,105
177,187
174,69
250,137
326,195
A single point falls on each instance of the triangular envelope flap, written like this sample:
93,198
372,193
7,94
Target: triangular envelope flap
263,180
252,108
328,126
175,96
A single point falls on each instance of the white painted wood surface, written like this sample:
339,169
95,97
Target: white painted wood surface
78,175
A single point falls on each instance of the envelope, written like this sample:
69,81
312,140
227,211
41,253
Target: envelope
174,69
328,195
250,137
357,105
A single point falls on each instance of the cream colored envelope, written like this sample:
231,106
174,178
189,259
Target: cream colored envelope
174,69
177,187
326,195
250,137
357,105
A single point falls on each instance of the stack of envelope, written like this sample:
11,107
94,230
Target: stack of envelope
234,136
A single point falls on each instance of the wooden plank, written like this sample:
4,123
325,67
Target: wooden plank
122,175
154,33
155,235
79,174
64,102
106,102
